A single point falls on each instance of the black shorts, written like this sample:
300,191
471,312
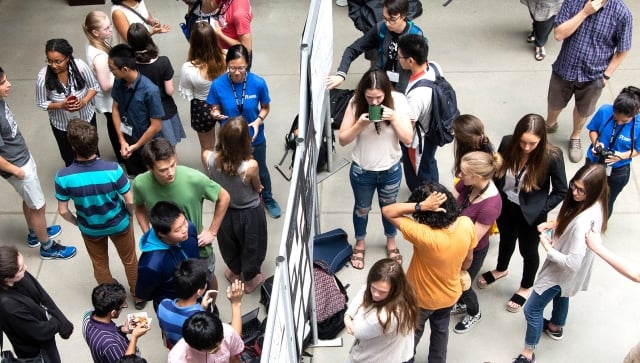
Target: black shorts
201,119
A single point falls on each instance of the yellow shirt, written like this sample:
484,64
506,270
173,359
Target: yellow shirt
434,270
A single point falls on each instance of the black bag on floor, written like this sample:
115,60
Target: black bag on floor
333,248
265,293
331,301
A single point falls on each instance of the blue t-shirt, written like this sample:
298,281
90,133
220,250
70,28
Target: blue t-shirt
171,318
96,187
604,124
255,94
145,103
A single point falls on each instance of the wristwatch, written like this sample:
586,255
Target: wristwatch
418,207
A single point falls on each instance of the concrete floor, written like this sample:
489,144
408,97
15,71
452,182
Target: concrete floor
481,47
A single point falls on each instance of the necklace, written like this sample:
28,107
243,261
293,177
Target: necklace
467,199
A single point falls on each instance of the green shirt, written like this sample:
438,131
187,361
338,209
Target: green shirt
188,191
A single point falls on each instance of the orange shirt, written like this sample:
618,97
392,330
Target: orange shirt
434,270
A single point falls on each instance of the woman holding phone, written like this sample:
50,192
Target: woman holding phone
567,269
377,120
65,88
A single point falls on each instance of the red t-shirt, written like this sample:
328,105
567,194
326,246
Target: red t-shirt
234,21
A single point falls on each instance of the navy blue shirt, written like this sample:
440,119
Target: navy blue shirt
145,103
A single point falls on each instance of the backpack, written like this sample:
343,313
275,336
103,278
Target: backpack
333,248
444,108
331,301
339,100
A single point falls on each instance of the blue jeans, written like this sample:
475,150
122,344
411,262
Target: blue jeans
534,309
617,180
260,154
364,183
439,326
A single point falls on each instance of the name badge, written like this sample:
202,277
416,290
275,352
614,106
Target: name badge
125,128
393,76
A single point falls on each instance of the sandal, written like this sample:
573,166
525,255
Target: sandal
531,37
552,129
517,300
395,255
540,53
489,279
354,257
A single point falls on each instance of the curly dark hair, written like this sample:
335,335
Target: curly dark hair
435,220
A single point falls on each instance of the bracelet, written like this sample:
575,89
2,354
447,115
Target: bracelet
261,118
604,75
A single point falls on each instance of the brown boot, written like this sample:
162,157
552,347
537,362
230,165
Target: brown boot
254,283
230,276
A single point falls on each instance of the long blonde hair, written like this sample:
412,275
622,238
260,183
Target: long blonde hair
92,22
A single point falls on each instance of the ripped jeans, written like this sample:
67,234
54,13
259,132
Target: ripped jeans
364,183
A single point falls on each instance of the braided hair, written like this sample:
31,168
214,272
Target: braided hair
51,81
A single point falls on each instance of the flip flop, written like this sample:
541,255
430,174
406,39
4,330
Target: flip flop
489,279
354,257
396,255
517,299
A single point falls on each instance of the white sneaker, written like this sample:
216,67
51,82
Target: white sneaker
467,323
341,2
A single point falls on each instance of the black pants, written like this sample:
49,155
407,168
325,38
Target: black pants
469,297
513,226
66,152
113,137
541,30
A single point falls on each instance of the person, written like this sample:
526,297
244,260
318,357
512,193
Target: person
28,316
230,20
624,267
479,199
240,92
65,88
366,14
543,14
107,341
614,131
443,243
383,315
376,155
18,168
532,181
419,160
159,70
137,108
127,12
171,239
596,38
207,339
383,37
468,136
567,269
242,237
131,358
103,200
190,284
186,187
205,62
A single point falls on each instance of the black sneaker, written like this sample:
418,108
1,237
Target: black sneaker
459,308
139,305
555,335
522,359
467,323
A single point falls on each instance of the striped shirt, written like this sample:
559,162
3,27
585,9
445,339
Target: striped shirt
59,118
586,54
96,187
171,318
105,341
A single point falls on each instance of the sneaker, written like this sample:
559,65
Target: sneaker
575,150
555,335
552,129
341,3
459,308
57,252
273,208
140,304
522,359
52,231
467,323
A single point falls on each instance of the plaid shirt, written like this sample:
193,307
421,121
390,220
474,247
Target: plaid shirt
586,53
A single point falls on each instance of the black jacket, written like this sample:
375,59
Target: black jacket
536,204
25,321
367,13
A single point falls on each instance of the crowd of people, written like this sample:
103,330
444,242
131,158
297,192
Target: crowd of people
508,190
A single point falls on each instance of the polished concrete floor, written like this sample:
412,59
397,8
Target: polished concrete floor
481,46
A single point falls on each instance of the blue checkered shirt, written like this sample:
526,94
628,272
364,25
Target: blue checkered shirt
587,52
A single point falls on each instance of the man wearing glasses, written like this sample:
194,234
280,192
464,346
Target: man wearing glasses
107,341
383,38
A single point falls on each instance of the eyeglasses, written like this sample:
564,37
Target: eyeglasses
575,188
237,69
123,306
391,20
55,61
114,69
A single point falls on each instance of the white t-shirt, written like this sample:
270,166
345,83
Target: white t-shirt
103,100
375,152
192,84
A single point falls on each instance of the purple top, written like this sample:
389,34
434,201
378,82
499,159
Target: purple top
484,212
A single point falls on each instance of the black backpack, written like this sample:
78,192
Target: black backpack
339,99
444,108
